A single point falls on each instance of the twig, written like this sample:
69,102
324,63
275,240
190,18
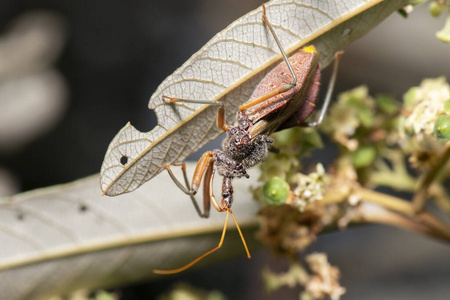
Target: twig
397,176
421,194
441,197
432,222
372,213
378,207
384,200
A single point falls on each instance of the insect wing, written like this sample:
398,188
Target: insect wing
273,112
307,107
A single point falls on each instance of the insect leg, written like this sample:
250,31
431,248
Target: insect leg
281,89
175,100
220,113
330,89
209,194
280,46
204,164
221,118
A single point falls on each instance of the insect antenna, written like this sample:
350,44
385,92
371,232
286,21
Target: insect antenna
165,272
240,232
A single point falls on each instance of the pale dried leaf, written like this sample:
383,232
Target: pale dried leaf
63,238
227,69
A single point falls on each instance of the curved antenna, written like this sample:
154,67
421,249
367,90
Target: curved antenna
240,233
165,272
185,267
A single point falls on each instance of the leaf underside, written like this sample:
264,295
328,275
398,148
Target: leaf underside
227,69
60,239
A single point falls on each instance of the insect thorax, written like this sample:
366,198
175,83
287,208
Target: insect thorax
240,151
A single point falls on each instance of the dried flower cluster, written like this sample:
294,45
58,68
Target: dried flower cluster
287,230
321,282
324,281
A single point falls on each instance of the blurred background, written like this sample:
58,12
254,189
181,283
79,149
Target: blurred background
73,73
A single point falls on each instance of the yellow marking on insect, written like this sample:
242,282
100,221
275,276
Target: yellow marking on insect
310,49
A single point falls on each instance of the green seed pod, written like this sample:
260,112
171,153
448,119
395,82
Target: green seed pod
364,156
276,191
442,128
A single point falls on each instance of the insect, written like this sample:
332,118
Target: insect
283,99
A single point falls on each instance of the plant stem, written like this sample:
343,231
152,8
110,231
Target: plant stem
441,197
421,194
440,228
382,208
377,214
384,200
397,176
368,195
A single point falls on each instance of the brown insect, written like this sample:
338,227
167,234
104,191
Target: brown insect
283,99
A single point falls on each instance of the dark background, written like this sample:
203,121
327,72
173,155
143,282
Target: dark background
116,54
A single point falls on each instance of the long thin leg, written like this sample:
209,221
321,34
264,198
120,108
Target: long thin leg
205,213
209,178
208,181
175,100
187,190
204,164
209,194
200,169
220,112
283,88
330,89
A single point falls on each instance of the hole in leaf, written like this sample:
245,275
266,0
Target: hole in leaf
145,122
124,160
